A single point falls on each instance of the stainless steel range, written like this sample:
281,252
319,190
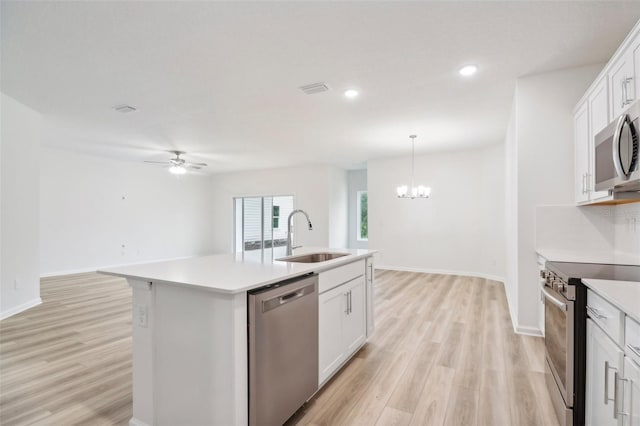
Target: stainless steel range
565,331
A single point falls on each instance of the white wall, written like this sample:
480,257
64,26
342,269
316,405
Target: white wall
339,208
459,230
316,189
357,181
20,287
511,214
97,212
543,154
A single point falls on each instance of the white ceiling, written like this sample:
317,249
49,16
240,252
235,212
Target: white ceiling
220,80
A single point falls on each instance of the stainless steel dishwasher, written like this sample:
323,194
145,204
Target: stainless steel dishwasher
283,349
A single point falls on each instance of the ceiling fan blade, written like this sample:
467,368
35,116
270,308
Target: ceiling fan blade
197,164
193,167
157,162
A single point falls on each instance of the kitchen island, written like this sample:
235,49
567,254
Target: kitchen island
190,349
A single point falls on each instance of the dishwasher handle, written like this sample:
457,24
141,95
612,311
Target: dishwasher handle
283,299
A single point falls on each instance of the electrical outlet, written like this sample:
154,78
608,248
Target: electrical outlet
140,316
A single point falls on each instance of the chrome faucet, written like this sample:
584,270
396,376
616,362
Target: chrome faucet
289,248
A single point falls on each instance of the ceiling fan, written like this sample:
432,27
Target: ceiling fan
177,165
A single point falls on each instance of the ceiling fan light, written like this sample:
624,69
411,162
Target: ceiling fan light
177,170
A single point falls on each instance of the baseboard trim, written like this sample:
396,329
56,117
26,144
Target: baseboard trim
135,422
443,272
20,308
528,331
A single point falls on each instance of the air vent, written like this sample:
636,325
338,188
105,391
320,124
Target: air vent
314,88
124,108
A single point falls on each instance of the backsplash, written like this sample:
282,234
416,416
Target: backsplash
626,222
613,230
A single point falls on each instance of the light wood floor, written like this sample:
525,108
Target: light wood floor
68,361
444,352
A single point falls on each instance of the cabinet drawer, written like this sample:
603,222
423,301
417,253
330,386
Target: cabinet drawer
340,275
606,316
632,339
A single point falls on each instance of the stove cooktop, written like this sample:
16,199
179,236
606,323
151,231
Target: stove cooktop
570,271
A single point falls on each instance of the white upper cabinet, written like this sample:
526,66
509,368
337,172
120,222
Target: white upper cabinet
622,83
615,89
581,135
598,119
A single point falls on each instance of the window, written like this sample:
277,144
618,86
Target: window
361,212
259,224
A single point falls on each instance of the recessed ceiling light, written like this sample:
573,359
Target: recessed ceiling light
351,93
124,108
468,70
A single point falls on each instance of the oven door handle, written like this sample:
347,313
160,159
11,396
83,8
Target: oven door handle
553,300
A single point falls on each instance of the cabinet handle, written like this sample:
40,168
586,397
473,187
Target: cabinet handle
617,379
346,309
623,94
625,91
634,349
586,182
370,271
595,314
350,302
606,383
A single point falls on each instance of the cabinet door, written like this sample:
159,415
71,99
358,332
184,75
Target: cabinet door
581,144
604,359
354,328
598,120
331,313
631,392
370,297
622,84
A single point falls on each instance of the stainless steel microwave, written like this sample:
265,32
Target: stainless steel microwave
616,153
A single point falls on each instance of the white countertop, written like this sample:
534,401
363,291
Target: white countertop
625,295
619,258
232,273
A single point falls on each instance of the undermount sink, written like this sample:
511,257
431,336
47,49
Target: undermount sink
313,257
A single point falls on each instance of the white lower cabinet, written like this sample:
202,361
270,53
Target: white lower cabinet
342,325
354,326
630,410
604,366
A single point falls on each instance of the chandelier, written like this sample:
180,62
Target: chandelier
420,191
